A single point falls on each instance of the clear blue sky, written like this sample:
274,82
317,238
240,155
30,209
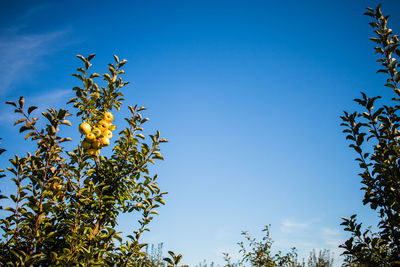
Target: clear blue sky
248,93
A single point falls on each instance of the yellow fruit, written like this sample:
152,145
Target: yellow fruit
59,187
84,128
86,145
90,137
108,134
108,116
96,144
103,125
112,127
91,151
105,141
97,132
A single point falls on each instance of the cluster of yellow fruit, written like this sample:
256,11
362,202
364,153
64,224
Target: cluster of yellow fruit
98,136
57,193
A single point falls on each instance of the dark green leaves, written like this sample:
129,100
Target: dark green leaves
11,103
30,109
374,135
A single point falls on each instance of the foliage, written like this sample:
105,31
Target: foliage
67,203
154,255
205,264
258,253
324,259
173,260
374,135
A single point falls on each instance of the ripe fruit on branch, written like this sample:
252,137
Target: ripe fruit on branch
84,128
86,145
112,127
108,134
93,152
97,132
97,135
108,116
90,137
105,141
103,125
96,144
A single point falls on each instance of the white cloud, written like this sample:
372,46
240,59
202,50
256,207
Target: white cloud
20,54
290,226
309,235
51,98
332,237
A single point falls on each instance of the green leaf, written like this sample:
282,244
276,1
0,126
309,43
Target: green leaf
91,56
25,128
81,58
66,122
19,121
122,63
31,108
169,261
80,77
116,59
390,85
94,75
29,135
11,103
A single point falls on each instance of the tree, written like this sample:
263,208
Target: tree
67,203
374,135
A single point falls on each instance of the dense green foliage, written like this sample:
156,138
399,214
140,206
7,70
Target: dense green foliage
67,203
374,135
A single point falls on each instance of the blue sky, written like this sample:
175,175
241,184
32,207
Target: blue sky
248,93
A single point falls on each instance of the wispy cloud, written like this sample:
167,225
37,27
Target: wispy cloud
21,52
309,235
290,226
51,98
333,238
